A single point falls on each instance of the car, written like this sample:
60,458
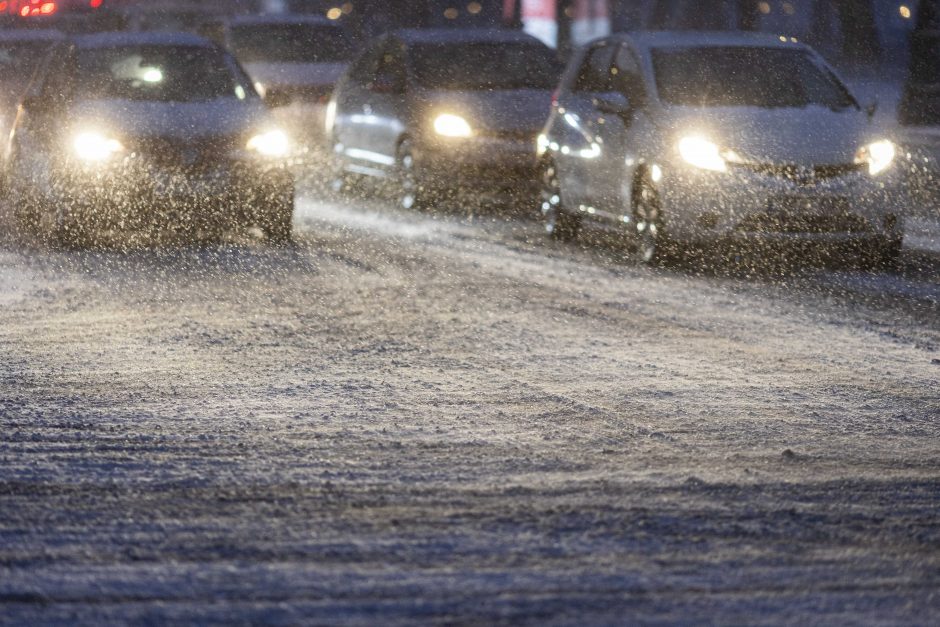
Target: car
295,60
683,140
128,131
22,52
919,117
431,110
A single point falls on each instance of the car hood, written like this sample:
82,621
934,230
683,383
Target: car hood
180,120
295,74
515,110
808,136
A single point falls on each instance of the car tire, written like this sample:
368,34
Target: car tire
650,243
411,190
558,223
343,183
882,256
279,219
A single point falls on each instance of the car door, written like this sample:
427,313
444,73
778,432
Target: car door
351,123
575,131
386,105
621,135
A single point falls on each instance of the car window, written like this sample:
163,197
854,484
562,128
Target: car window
925,64
391,66
157,73
362,70
290,43
594,75
19,59
625,72
485,65
733,76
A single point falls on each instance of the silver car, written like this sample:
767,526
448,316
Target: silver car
682,139
435,109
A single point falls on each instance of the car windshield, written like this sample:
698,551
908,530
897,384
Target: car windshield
478,66
746,76
18,59
290,43
158,73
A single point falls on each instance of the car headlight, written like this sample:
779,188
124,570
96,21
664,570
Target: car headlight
270,144
92,146
449,125
702,153
878,155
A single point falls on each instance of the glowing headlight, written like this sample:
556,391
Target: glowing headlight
449,125
702,153
90,146
270,144
878,156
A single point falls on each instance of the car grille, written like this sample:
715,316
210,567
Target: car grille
775,222
523,136
197,154
802,175
303,93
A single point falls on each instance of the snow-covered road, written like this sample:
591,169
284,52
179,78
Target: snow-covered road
408,417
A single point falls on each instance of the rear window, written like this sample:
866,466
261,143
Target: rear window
158,73
481,66
747,76
290,43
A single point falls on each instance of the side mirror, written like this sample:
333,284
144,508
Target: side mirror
276,98
614,103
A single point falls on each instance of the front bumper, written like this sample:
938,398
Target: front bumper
134,194
746,205
486,161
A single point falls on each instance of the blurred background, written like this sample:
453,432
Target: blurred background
855,35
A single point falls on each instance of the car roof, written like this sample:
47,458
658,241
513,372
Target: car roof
700,39
463,36
156,38
281,18
31,34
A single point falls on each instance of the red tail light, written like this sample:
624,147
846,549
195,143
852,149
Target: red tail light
555,95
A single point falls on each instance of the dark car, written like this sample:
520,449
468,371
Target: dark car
295,60
433,109
124,131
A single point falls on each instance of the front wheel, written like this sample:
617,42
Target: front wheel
411,191
650,243
559,224
279,221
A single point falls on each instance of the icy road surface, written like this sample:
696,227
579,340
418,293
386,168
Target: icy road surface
407,418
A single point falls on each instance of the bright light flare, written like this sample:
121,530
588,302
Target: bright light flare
92,146
153,75
270,144
878,155
701,153
449,125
